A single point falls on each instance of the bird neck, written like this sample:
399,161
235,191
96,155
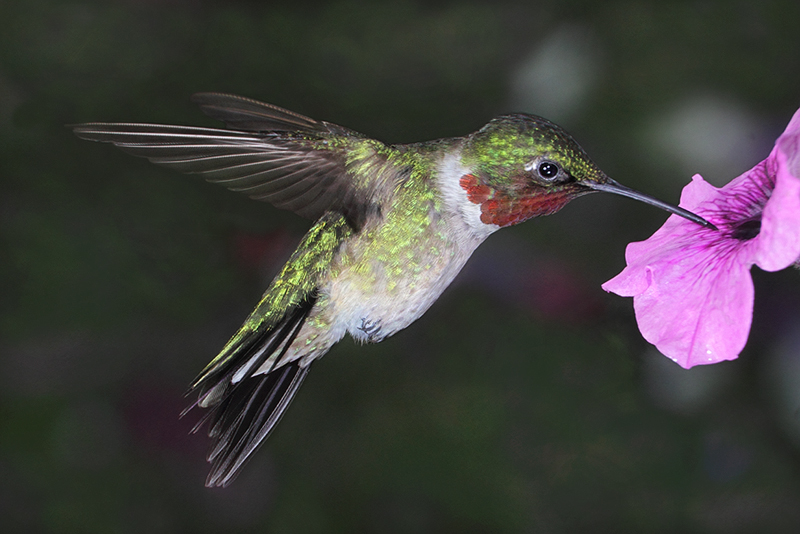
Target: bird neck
464,212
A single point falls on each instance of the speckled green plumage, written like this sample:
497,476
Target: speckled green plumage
298,278
507,143
405,243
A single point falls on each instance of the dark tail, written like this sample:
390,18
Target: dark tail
243,408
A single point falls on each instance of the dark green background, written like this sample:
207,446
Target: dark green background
524,401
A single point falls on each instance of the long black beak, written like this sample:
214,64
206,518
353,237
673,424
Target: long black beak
611,186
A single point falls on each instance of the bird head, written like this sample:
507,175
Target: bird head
524,166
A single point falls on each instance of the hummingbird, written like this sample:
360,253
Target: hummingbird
393,226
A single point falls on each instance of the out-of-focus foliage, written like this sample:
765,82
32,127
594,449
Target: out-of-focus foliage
524,401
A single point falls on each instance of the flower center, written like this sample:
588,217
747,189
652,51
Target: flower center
747,229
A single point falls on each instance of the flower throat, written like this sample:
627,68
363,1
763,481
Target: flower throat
747,229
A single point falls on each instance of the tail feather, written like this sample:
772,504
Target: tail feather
243,409
235,441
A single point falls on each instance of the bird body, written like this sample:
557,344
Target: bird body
376,281
394,225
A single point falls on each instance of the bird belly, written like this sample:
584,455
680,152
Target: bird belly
375,304
385,283
378,285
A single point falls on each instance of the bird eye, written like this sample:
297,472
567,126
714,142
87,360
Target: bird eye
547,170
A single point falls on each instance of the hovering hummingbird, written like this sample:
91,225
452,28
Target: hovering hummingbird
394,224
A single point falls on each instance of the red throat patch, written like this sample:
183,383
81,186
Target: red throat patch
477,193
503,210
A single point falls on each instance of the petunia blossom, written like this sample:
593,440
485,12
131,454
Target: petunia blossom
691,286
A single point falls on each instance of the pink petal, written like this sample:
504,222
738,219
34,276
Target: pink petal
694,194
697,310
793,128
779,239
629,283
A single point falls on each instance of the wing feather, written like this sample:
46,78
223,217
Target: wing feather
242,113
270,153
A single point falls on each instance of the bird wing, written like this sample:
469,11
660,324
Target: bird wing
240,113
244,407
271,154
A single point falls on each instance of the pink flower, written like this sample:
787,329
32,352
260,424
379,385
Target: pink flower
691,286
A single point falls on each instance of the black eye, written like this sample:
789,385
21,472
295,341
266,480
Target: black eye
548,169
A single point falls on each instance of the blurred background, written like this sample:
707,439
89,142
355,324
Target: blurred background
524,401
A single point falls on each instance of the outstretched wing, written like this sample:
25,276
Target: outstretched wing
271,154
251,382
